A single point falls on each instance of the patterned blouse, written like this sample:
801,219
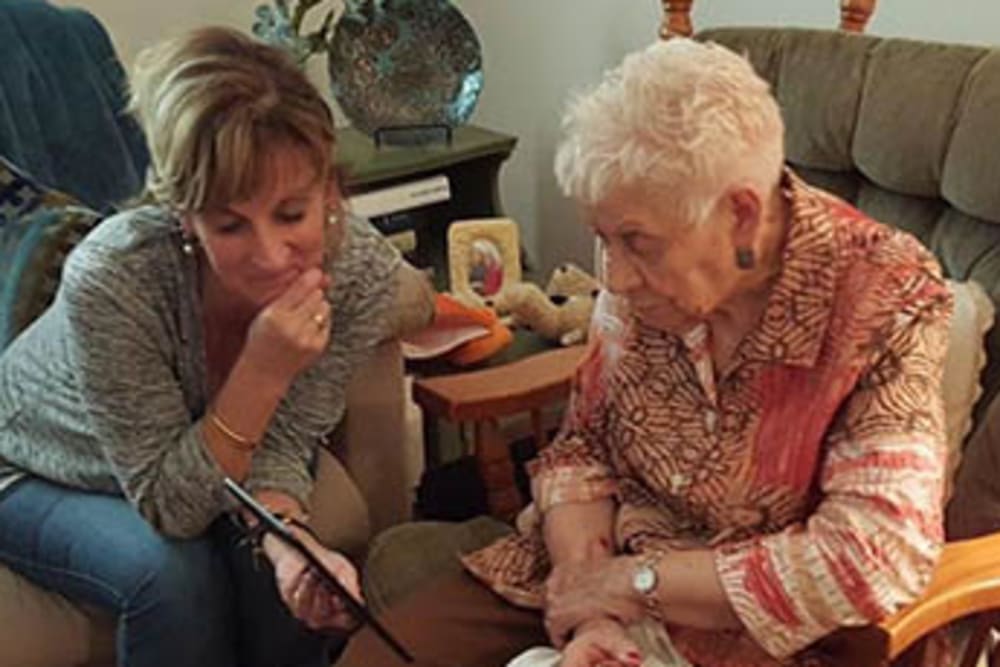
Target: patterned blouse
811,464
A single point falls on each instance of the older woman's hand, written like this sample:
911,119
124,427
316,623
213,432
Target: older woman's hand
589,590
601,643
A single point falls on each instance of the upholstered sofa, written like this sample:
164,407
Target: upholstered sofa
68,154
908,131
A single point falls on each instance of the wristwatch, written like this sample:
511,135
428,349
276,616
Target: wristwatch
646,581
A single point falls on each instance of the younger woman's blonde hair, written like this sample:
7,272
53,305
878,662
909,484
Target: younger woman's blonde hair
214,104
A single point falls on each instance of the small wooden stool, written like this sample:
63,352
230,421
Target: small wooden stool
485,396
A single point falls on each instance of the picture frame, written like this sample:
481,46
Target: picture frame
484,257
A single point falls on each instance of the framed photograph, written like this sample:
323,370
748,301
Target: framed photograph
483,257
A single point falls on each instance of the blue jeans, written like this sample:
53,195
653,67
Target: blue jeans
185,603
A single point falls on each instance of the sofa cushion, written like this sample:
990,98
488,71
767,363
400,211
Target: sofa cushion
964,360
895,147
20,194
44,629
338,513
34,266
917,215
969,179
38,228
825,116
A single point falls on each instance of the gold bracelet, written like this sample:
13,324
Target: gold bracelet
240,441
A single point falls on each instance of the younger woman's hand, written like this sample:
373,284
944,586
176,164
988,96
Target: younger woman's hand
291,332
302,589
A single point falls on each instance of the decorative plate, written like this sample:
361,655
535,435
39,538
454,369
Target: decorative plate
404,62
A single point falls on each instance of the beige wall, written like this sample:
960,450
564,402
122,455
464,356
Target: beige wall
134,24
536,52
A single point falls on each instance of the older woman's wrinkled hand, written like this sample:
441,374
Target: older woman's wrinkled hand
601,643
589,590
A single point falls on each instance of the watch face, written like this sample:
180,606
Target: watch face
644,579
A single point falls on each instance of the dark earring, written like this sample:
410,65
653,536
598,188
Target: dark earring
744,258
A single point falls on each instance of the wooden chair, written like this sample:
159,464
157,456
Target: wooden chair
854,17
484,397
966,582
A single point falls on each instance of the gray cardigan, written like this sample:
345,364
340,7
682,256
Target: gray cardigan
105,391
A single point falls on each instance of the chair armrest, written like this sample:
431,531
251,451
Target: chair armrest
374,449
966,581
485,396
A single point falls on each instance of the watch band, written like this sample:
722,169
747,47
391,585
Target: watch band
650,600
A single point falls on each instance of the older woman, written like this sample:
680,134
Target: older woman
209,334
753,453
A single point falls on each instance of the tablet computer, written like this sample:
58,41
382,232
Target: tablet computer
274,526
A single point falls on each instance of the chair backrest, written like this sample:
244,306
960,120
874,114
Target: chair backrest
854,16
62,96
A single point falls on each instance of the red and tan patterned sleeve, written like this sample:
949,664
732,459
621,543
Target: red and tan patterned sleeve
871,545
575,468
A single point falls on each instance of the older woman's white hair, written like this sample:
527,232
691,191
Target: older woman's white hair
682,117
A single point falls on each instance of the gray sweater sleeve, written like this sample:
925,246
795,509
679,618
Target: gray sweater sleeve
362,298
136,407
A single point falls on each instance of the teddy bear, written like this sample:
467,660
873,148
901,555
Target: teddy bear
561,312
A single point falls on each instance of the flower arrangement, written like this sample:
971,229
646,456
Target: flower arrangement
279,24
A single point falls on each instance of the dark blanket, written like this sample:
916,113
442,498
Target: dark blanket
62,95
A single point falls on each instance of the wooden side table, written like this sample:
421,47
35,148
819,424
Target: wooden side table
471,163
485,396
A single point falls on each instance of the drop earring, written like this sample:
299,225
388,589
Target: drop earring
744,258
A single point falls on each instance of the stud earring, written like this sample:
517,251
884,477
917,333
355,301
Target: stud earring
187,243
744,258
